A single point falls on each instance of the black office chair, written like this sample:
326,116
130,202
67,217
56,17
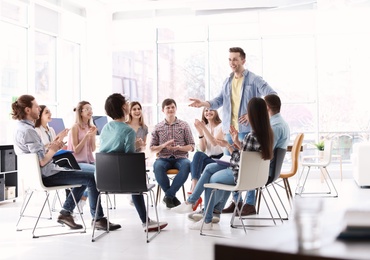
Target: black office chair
123,173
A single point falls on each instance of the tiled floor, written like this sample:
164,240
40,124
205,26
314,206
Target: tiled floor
175,242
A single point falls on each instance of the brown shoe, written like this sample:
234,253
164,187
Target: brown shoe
102,224
69,221
248,210
231,208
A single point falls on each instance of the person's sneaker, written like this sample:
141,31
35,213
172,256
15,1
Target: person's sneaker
183,208
169,202
102,224
248,210
69,221
153,226
176,201
231,207
198,225
198,215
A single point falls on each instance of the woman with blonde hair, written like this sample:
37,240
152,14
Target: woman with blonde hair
82,138
136,122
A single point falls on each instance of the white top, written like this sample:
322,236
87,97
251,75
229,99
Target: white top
210,149
46,136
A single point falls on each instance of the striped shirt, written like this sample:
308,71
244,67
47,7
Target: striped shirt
179,131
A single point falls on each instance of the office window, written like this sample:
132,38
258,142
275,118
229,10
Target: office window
69,79
13,72
133,73
181,71
45,67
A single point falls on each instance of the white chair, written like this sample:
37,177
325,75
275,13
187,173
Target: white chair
253,174
322,164
123,173
30,174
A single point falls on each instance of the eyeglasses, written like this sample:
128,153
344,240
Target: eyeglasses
87,109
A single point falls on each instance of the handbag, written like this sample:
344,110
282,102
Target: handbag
66,159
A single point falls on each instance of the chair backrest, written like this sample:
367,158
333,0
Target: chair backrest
276,164
29,171
328,148
296,148
253,171
121,172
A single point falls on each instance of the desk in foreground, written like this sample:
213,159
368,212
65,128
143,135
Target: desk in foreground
281,243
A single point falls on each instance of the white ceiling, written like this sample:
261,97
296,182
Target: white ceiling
205,5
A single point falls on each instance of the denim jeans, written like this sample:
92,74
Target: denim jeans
86,178
199,162
160,167
139,204
219,199
209,170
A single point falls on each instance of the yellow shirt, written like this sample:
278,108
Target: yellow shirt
236,89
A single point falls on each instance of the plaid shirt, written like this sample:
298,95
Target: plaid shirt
250,143
179,131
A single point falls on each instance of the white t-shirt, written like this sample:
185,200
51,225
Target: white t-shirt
46,136
210,149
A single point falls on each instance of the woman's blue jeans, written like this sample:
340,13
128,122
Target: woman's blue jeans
160,168
199,162
86,178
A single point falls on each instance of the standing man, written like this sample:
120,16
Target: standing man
26,140
172,140
237,90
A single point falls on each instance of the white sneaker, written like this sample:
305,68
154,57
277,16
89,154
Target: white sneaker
183,208
198,225
153,225
198,215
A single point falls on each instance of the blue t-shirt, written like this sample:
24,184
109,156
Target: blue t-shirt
117,137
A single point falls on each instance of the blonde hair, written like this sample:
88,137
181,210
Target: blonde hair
78,111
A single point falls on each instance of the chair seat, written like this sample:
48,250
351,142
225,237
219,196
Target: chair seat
220,186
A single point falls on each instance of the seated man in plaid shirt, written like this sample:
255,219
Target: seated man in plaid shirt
172,140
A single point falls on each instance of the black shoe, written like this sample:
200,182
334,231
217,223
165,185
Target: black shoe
69,221
102,224
176,202
169,202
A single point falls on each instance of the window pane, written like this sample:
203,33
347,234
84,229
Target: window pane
181,71
69,80
45,65
13,74
133,73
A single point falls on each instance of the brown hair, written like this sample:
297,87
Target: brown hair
38,121
260,123
217,118
78,110
167,102
239,50
141,120
273,102
20,105
113,106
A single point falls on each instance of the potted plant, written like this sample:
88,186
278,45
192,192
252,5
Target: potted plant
320,146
